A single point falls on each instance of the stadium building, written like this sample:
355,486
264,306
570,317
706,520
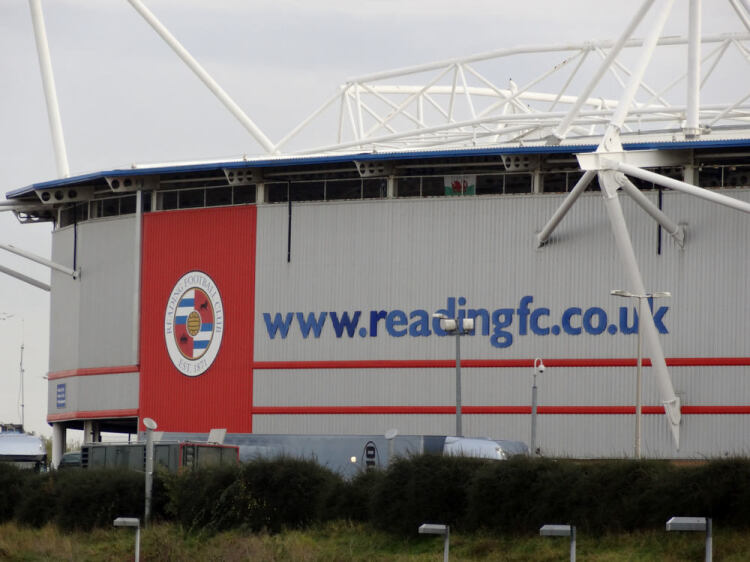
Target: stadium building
299,293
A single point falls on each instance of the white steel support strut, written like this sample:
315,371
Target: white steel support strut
647,52
25,278
572,197
40,260
205,77
692,128
562,128
609,184
743,11
672,228
50,93
678,185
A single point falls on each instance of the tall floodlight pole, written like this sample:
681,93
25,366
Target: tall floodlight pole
7,316
20,371
639,363
451,326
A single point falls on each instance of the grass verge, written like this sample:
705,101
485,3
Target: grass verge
344,541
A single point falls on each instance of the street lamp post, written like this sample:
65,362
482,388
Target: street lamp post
6,316
538,368
639,365
450,325
150,427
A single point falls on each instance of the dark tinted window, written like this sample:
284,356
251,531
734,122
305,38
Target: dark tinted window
344,189
218,196
244,194
408,187
277,192
433,186
374,188
191,198
308,191
169,200
518,183
489,185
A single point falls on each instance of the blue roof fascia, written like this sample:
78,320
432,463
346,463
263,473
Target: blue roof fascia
369,156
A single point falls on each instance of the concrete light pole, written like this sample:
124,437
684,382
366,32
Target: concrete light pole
150,427
639,364
538,368
450,325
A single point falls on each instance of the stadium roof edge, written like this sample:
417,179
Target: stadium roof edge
297,160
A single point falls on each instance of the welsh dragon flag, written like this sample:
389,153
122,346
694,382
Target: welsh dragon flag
460,185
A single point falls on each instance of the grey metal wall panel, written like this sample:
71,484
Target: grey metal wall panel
71,389
107,257
109,392
92,319
360,424
702,436
65,297
343,387
95,393
409,255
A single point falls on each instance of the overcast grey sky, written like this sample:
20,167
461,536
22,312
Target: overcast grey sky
125,97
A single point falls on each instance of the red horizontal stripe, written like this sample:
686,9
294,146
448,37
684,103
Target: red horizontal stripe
96,414
558,410
321,410
716,409
93,371
499,363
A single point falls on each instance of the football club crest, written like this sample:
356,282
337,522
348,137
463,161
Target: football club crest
194,323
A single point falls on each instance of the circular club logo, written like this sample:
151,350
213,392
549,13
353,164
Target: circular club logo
194,323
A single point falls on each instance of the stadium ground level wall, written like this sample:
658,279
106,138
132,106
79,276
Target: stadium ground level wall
394,259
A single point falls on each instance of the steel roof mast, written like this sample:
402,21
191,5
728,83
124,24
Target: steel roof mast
610,161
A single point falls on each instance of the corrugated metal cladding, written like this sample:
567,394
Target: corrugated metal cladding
416,255
92,318
391,264
219,244
330,331
93,393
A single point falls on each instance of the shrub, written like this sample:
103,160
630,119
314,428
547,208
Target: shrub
420,489
12,480
192,495
94,498
37,505
287,492
353,500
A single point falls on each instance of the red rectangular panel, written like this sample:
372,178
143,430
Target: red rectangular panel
190,259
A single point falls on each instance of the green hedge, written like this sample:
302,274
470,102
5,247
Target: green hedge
263,494
520,495
12,484
81,499
509,497
423,489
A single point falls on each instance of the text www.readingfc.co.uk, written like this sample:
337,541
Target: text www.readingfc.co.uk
501,324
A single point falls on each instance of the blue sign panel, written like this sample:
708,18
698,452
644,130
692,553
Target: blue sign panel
61,395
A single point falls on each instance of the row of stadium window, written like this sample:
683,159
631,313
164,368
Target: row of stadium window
508,183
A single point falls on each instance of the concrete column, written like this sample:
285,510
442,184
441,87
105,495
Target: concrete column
391,187
690,174
536,181
91,432
58,443
260,192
